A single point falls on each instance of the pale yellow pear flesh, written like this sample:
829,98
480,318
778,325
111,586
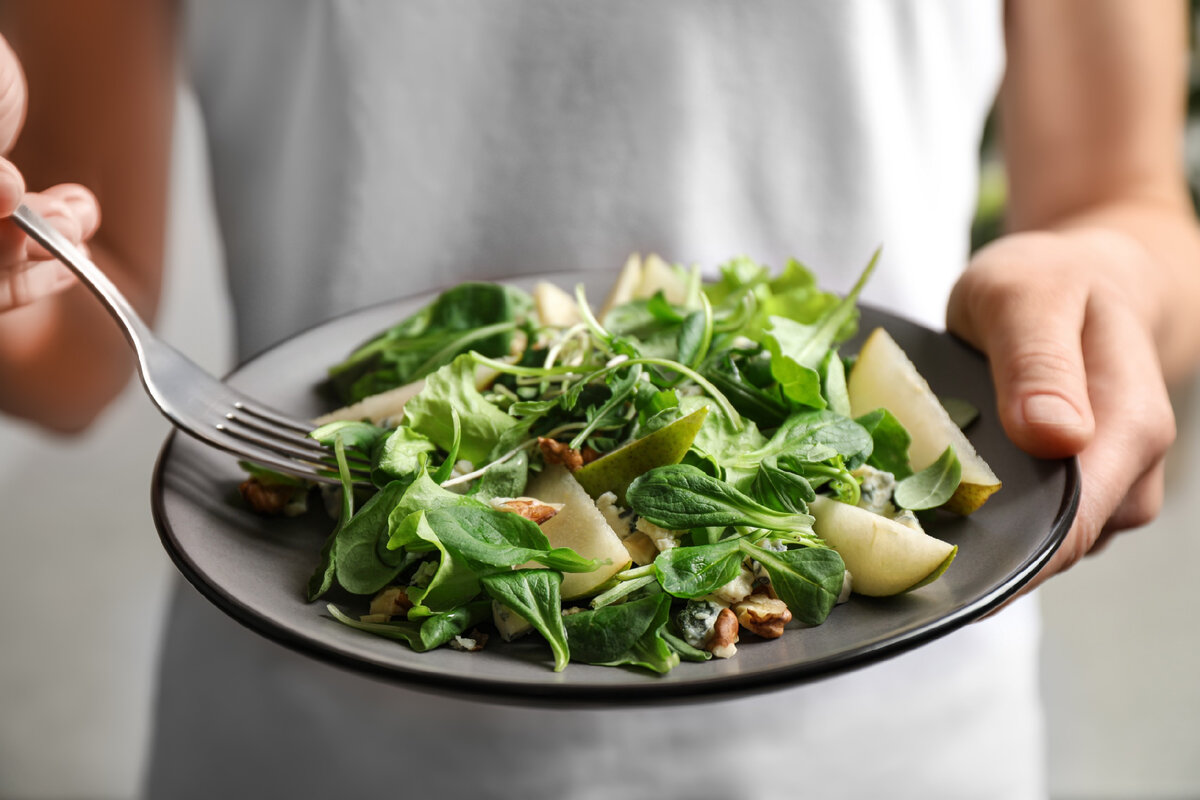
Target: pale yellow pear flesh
580,526
884,557
659,276
555,308
884,377
626,285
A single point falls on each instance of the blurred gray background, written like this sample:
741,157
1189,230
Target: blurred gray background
83,583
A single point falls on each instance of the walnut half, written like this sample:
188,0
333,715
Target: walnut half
530,508
723,641
764,615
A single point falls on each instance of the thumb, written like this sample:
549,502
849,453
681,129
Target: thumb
1033,338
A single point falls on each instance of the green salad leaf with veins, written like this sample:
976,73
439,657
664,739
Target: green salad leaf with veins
698,523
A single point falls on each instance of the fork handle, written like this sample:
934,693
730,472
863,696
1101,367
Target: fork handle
45,234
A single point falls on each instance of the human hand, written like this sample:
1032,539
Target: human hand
27,272
1068,321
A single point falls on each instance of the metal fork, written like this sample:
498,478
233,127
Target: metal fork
194,401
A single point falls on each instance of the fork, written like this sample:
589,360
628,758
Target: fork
194,401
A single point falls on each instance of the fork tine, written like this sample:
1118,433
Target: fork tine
269,415
295,444
271,460
283,448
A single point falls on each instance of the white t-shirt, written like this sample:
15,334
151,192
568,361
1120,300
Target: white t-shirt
365,150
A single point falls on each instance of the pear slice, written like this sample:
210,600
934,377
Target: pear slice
626,285
580,526
616,470
659,276
883,556
884,377
555,308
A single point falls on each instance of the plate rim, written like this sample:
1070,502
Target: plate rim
504,690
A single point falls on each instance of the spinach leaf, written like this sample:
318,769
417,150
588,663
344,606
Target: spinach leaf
891,441
506,479
424,635
471,316
534,595
362,565
629,633
402,456
447,467
485,536
962,412
453,388
782,490
932,486
833,384
455,580
807,579
322,578
681,497
360,436
684,650
693,572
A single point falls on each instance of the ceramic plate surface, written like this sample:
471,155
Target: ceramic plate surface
255,568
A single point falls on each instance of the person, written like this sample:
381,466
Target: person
374,149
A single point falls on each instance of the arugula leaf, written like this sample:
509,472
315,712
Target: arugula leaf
355,435
534,595
798,349
932,486
453,388
693,572
630,633
471,316
814,436
807,579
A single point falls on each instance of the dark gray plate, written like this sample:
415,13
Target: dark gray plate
255,568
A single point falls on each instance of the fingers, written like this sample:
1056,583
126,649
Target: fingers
13,97
27,272
12,187
1031,327
1123,466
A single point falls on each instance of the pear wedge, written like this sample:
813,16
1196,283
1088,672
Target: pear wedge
580,526
555,308
626,285
616,470
883,556
659,276
884,377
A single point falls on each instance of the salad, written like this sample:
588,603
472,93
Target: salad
692,466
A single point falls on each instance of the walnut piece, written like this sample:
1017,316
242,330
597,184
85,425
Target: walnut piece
763,615
528,507
391,601
266,498
556,452
724,635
